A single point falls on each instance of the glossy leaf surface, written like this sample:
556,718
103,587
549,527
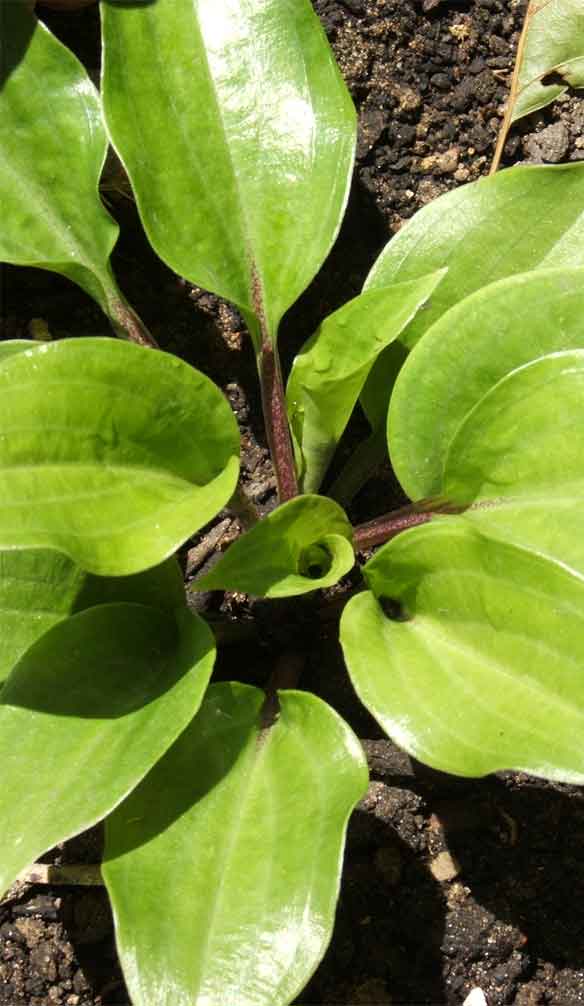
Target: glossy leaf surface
52,148
86,713
483,669
39,588
238,136
110,453
515,221
223,867
301,546
552,57
498,329
329,373
518,459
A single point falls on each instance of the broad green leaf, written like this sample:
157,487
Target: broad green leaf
52,148
465,354
518,459
110,453
12,346
329,373
517,220
301,546
39,588
551,58
238,135
85,714
482,670
223,867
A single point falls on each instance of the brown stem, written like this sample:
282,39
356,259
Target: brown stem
382,529
128,325
532,9
276,420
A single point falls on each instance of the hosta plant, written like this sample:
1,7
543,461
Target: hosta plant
225,805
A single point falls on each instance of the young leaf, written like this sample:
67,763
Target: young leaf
518,459
39,588
301,546
551,56
238,136
489,334
51,155
85,714
223,867
329,373
516,221
481,670
110,453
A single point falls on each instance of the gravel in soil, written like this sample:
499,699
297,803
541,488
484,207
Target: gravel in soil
449,883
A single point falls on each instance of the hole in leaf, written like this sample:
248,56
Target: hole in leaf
554,77
315,562
393,609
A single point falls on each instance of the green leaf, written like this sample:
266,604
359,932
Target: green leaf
12,346
482,668
223,867
515,221
39,588
51,155
518,459
490,334
84,715
329,373
553,48
238,136
303,545
110,453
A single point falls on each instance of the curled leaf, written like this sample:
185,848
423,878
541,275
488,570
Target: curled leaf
301,546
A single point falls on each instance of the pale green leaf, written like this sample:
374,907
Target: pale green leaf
110,453
301,546
52,149
238,136
482,668
39,588
330,371
465,354
552,56
223,867
522,219
518,459
85,714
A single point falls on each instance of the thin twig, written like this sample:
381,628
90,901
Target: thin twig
533,8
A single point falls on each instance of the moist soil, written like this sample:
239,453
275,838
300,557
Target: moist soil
449,884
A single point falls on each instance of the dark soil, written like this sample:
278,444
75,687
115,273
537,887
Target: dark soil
449,883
